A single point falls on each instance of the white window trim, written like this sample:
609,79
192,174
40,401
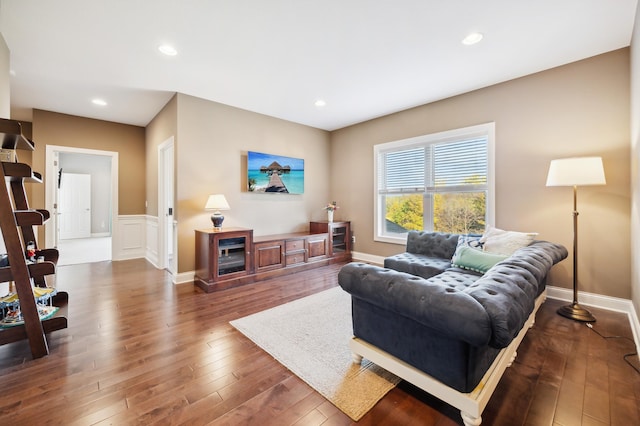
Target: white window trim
486,129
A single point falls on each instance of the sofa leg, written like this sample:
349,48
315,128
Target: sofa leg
469,420
357,359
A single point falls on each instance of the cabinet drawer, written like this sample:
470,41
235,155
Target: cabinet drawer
294,245
317,245
293,259
268,255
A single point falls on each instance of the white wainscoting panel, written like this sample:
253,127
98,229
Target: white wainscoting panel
130,243
152,248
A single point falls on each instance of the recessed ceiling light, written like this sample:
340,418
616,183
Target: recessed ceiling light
168,50
320,103
472,38
99,102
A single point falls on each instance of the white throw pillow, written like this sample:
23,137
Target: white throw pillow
505,242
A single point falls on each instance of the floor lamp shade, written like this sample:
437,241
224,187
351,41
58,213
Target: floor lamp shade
217,202
580,171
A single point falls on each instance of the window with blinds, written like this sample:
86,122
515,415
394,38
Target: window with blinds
435,182
402,170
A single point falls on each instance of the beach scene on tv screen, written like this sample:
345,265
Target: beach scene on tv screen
275,173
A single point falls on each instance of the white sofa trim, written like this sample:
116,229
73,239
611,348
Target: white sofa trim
470,404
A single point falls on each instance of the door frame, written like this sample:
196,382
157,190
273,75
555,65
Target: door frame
166,180
51,192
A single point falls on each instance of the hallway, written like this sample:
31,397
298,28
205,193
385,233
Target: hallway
84,250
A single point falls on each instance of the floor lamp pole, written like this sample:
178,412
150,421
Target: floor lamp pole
575,311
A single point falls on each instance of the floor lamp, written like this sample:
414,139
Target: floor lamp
576,172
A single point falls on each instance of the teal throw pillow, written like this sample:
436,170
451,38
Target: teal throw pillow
475,260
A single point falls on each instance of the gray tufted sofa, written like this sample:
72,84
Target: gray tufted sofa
449,323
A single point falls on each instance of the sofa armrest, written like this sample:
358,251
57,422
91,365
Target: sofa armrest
445,309
509,289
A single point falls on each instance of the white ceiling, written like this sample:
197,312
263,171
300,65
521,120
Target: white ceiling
365,58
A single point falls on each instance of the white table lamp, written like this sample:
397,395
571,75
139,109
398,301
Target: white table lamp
217,202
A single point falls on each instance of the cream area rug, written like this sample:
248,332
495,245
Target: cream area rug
310,337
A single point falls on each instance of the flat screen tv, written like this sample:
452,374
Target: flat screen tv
277,174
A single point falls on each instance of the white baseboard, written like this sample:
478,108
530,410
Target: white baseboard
184,277
604,302
367,258
635,327
100,234
591,299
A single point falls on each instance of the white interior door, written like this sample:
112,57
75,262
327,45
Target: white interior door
74,206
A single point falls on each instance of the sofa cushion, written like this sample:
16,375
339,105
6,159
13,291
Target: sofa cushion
432,244
474,259
496,240
469,240
417,264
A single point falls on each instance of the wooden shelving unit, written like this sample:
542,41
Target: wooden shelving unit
16,222
340,238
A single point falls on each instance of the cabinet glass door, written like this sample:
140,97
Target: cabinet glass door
231,255
339,239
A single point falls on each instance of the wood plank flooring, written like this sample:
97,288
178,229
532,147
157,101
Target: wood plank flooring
140,350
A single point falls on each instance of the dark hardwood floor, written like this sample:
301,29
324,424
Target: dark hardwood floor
140,350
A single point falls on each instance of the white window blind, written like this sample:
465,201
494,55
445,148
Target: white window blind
460,165
437,167
403,170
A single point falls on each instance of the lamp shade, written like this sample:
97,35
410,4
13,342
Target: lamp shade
217,202
577,171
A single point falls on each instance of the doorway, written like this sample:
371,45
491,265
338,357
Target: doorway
81,193
167,253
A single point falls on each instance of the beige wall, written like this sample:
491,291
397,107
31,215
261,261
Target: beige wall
161,128
128,141
635,162
213,140
575,110
5,100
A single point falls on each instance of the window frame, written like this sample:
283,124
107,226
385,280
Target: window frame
481,130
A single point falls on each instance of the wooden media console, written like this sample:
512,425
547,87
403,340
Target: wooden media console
233,256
